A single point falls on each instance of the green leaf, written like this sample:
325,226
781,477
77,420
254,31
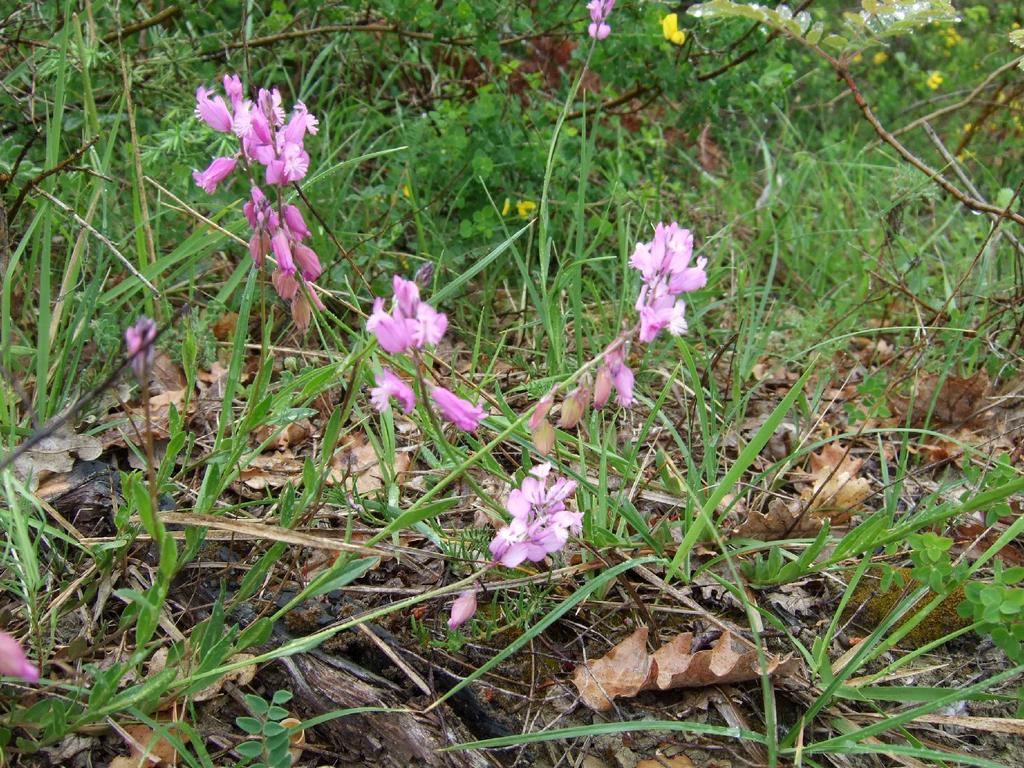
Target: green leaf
250,749
250,725
256,704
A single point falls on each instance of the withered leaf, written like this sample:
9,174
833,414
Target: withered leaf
628,669
53,455
958,399
357,459
781,521
623,671
835,486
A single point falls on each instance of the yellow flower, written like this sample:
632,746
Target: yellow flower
670,28
934,81
880,58
506,207
858,57
952,37
523,208
968,127
406,192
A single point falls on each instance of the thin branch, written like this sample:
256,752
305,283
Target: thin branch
970,202
166,14
966,181
634,93
963,102
62,165
101,237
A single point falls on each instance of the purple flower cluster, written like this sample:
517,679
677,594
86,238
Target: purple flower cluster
411,325
599,10
664,265
541,523
266,139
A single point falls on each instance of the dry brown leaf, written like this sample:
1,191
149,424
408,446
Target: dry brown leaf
727,661
53,455
628,669
297,740
781,521
224,328
271,470
165,375
835,487
623,671
357,459
147,748
957,401
291,436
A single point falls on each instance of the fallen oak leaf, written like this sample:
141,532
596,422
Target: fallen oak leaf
781,521
835,486
623,671
727,661
53,455
627,669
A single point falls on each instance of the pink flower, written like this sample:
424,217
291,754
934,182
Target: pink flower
412,323
307,262
259,247
463,609
392,331
599,10
295,223
139,339
233,88
14,662
213,111
664,265
301,123
622,375
282,252
216,172
540,523
291,164
388,386
462,413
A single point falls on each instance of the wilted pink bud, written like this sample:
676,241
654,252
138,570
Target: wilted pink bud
541,411
301,313
14,663
544,437
285,284
259,247
573,407
602,387
139,339
463,609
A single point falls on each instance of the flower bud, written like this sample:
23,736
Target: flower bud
424,274
541,411
602,387
573,407
463,609
544,437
